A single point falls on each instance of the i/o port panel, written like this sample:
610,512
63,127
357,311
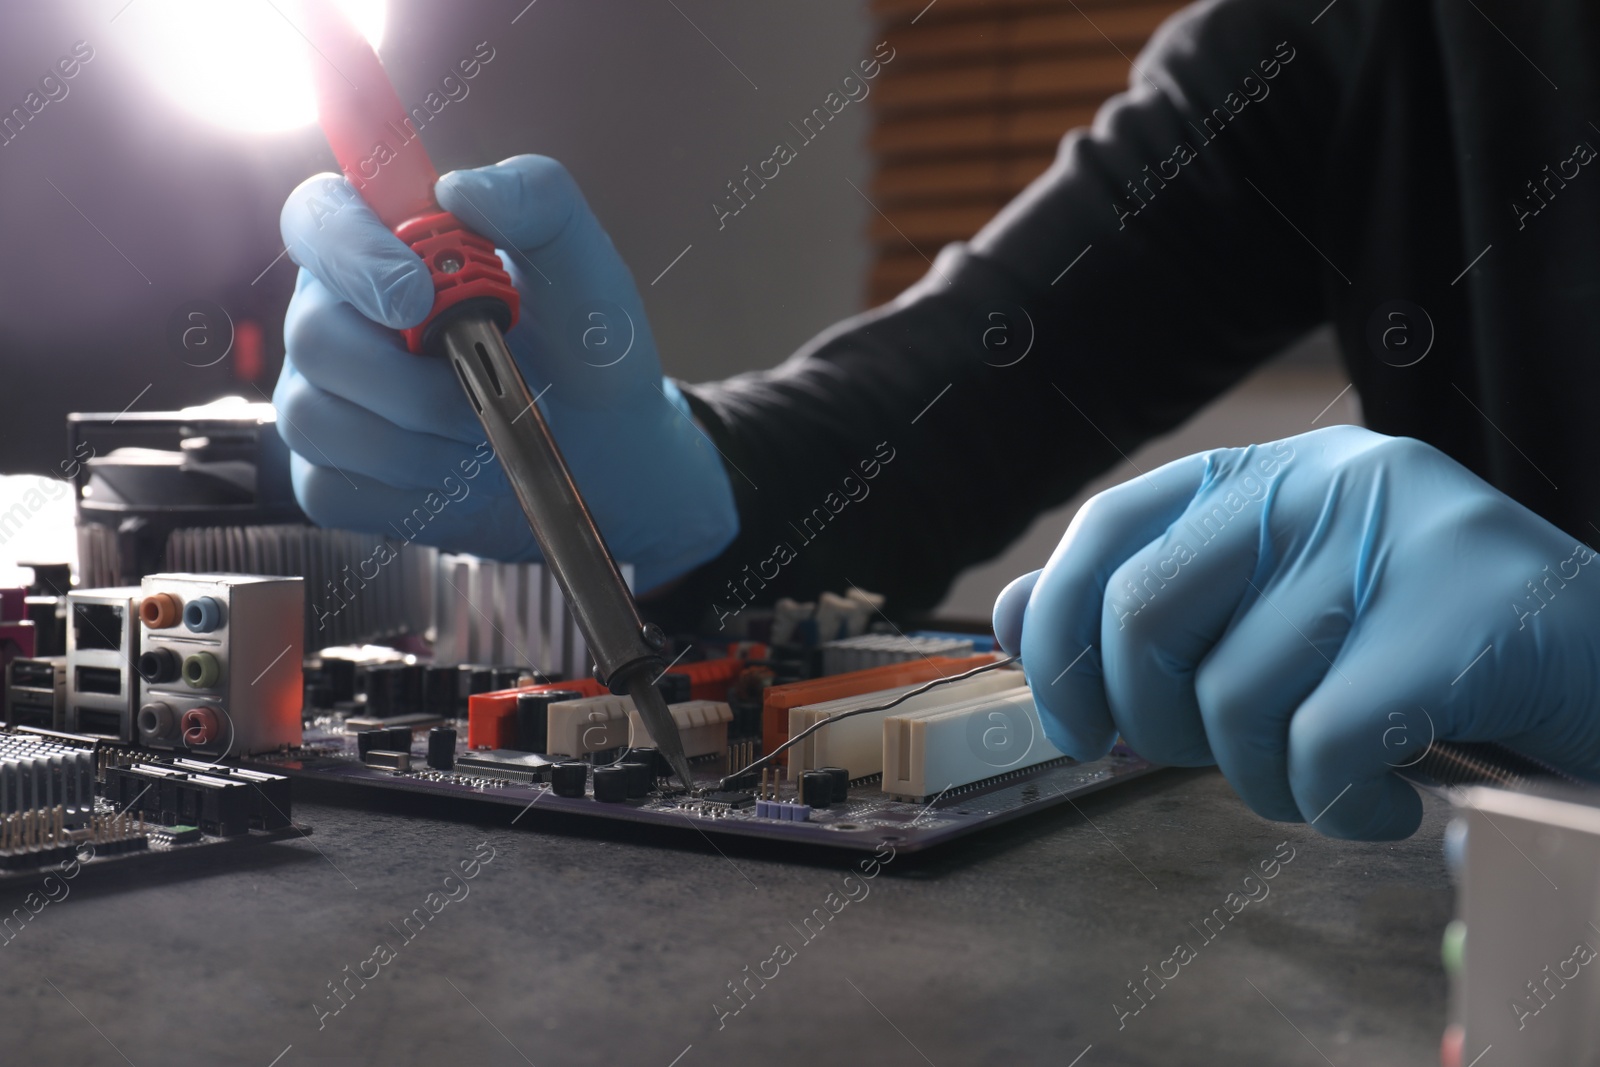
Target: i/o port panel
36,692
102,645
220,664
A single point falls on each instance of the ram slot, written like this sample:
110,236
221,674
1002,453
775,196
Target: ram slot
702,726
930,751
857,743
595,724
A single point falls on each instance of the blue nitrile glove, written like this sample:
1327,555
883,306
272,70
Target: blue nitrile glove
1308,614
385,441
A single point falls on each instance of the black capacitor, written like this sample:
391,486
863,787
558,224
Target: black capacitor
841,782
479,679
441,691
641,779
816,788
568,778
339,677
413,686
370,739
533,717
675,687
383,686
507,677
533,722
442,748
655,761
610,784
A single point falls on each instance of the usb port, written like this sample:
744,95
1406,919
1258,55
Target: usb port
99,680
33,674
103,723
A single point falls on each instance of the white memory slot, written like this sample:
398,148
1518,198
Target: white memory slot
856,744
926,752
594,724
702,726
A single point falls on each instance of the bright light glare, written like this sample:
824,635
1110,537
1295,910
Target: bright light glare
236,63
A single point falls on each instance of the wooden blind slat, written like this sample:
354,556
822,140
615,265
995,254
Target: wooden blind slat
1092,77
890,13
936,225
1056,31
973,107
998,176
1034,129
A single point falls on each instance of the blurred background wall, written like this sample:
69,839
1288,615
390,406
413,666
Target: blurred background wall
123,209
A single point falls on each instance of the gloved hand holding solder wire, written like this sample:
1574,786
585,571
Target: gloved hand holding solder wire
1309,615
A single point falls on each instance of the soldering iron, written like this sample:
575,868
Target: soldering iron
474,303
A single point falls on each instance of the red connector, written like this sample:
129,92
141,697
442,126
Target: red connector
379,151
464,268
492,717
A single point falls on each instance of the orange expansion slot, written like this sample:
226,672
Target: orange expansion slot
492,717
780,699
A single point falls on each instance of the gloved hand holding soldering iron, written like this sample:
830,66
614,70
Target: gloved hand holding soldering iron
1308,614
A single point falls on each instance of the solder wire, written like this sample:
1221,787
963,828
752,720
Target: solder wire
896,702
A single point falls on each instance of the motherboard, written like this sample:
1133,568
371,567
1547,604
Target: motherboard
863,817
175,714
959,748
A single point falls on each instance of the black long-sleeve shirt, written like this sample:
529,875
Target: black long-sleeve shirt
1269,169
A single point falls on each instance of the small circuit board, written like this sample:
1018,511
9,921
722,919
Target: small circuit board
863,819
70,802
150,846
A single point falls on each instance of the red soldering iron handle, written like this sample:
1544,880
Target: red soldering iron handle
380,153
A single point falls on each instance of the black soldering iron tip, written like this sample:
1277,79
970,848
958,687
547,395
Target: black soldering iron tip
658,720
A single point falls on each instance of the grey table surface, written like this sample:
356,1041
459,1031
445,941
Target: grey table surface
571,948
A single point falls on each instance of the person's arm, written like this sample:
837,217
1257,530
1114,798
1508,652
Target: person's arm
1136,304
897,448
